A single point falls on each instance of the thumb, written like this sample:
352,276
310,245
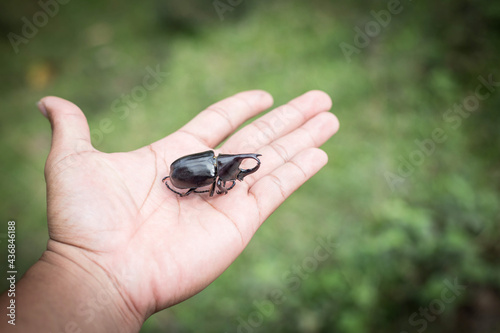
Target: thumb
70,130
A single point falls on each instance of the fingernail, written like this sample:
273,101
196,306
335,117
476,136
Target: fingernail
42,108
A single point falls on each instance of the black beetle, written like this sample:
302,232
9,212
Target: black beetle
204,169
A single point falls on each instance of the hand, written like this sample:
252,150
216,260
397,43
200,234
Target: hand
112,217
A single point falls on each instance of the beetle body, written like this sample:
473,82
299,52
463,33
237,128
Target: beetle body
205,169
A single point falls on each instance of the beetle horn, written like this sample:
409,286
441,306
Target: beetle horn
245,172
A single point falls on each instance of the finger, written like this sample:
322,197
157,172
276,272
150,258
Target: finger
221,119
278,122
312,134
271,190
70,130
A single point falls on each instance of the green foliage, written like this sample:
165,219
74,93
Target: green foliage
397,239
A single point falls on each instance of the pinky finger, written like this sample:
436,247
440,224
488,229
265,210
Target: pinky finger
271,190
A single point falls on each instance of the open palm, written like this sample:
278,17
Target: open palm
113,213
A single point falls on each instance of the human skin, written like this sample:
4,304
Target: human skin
120,239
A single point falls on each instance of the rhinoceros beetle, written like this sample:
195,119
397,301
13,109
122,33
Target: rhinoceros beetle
204,169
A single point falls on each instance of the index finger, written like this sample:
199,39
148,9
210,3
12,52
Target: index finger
219,120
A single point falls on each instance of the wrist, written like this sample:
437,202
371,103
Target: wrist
64,294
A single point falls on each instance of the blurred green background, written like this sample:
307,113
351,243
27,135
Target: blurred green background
408,205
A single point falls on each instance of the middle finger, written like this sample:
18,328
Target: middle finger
278,123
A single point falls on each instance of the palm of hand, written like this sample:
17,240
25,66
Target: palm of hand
160,249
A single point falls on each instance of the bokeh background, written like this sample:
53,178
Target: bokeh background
406,212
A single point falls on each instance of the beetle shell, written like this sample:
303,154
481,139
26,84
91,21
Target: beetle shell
196,170
205,169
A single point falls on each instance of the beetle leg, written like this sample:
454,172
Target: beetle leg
179,193
188,192
171,189
212,189
230,187
221,185
204,191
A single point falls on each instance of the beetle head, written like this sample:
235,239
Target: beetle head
228,166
